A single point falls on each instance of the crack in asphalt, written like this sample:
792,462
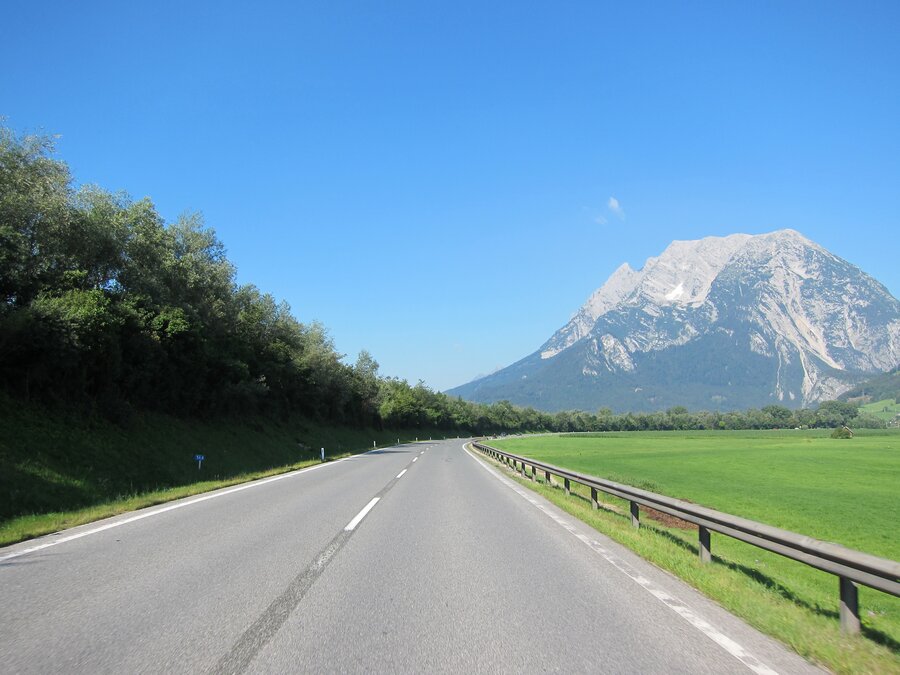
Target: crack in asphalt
261,631
272,619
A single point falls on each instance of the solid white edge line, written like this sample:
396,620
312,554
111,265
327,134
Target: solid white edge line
400,475
725,642
362,514
165,509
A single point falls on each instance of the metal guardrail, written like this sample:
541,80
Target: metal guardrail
851,567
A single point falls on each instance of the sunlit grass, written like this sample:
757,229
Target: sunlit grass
886,410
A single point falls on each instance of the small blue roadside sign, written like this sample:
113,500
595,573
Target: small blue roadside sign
199,459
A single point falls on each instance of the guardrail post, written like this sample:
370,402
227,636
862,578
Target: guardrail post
547,477
705,551
851,567
849,607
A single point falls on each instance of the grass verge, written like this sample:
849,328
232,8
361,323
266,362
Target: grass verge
809,628
36,525
59,469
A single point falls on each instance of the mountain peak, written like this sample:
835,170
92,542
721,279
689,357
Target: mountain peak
685,271
681,275
788,234
720,321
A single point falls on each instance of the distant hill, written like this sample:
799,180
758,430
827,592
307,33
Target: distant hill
879,388
719,323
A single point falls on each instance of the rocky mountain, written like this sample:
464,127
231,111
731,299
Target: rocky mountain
719,323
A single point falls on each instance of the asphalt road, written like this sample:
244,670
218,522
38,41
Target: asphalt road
453,569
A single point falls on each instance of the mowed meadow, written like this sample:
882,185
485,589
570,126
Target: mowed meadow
843,491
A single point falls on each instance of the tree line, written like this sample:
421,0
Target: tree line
105,305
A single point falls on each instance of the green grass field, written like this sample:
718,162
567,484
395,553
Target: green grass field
886,410
845,491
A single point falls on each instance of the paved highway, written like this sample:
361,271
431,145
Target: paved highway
416,558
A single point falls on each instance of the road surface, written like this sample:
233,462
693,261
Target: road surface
417,558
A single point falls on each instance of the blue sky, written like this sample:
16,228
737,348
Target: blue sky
435,181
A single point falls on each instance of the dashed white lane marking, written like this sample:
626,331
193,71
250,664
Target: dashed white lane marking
698,622
362,514
400,475
415,458
171,507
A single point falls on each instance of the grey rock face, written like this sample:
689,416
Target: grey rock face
718,323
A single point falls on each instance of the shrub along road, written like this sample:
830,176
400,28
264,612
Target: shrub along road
453,568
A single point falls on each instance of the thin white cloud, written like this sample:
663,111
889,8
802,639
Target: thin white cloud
616,208
600,220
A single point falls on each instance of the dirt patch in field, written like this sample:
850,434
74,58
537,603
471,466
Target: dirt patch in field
666,519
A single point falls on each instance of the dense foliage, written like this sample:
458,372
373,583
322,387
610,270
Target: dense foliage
104,304
829,414
103,301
